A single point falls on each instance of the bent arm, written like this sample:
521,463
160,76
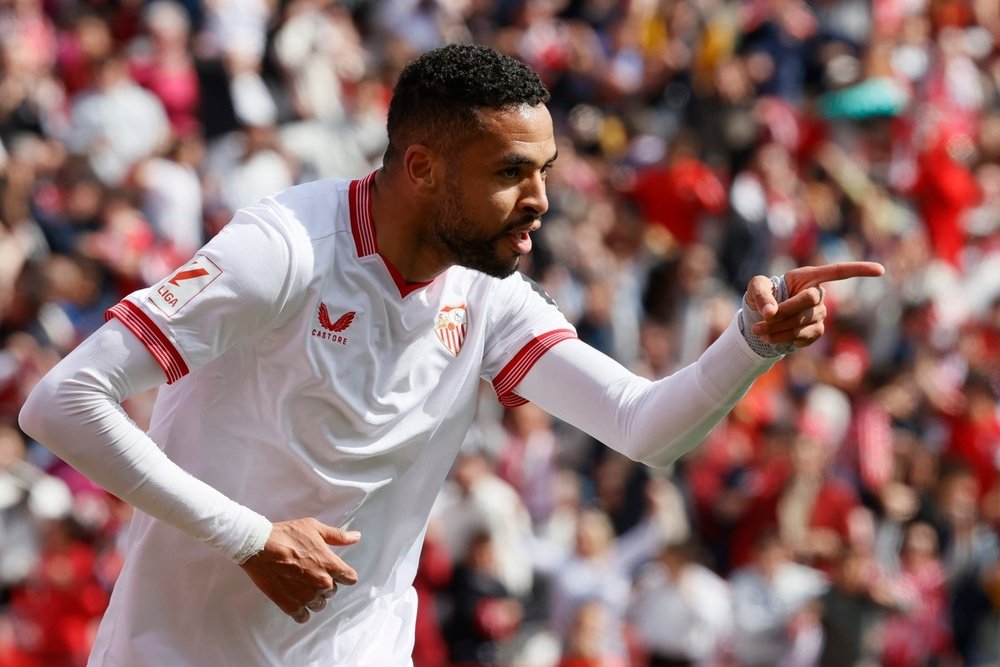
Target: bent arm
652,422
75,411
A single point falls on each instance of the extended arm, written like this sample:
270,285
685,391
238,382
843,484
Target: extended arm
653,422
657,422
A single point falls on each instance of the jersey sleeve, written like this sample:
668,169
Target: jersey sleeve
525,323
241,284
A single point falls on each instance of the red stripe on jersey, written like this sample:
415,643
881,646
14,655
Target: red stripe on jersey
363,229
140,324
401,283
512,374
361,216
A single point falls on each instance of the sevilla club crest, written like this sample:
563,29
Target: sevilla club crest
451,325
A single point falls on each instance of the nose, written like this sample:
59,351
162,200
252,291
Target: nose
534,199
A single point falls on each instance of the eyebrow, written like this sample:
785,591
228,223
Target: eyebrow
516,159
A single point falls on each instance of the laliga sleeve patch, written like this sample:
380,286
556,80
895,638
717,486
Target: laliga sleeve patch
184,285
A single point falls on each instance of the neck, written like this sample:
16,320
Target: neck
403,230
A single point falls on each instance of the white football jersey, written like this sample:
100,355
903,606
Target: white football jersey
307,379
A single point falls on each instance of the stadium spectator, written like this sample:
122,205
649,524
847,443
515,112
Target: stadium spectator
774,612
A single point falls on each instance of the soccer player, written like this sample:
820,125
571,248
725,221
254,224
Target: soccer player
322,356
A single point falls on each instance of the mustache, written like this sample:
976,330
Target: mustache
527,221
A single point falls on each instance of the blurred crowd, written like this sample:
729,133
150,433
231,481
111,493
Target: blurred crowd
845,514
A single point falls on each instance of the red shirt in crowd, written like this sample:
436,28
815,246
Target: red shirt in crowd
675,196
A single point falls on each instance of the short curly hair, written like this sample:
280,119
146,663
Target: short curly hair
434,102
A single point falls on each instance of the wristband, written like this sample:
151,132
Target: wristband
255,541
750,317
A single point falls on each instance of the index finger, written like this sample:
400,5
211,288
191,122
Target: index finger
812,276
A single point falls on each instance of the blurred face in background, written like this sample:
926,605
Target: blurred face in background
11,447
920,543
593,533
809,456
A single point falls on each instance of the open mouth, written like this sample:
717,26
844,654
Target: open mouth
520,237
521,242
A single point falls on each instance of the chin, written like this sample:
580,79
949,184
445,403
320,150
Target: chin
500,271
494,258
496,268
509,268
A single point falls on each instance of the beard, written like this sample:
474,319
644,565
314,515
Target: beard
479,252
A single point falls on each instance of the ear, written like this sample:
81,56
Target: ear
424,170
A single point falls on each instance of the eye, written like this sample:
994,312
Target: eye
512,173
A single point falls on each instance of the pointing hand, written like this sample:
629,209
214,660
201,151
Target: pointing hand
798,320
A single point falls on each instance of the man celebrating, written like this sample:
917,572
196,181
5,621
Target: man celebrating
322,357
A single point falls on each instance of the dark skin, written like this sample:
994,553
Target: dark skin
476,207
799,319
492,185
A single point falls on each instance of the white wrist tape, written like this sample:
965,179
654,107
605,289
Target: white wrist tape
750,317
254,544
